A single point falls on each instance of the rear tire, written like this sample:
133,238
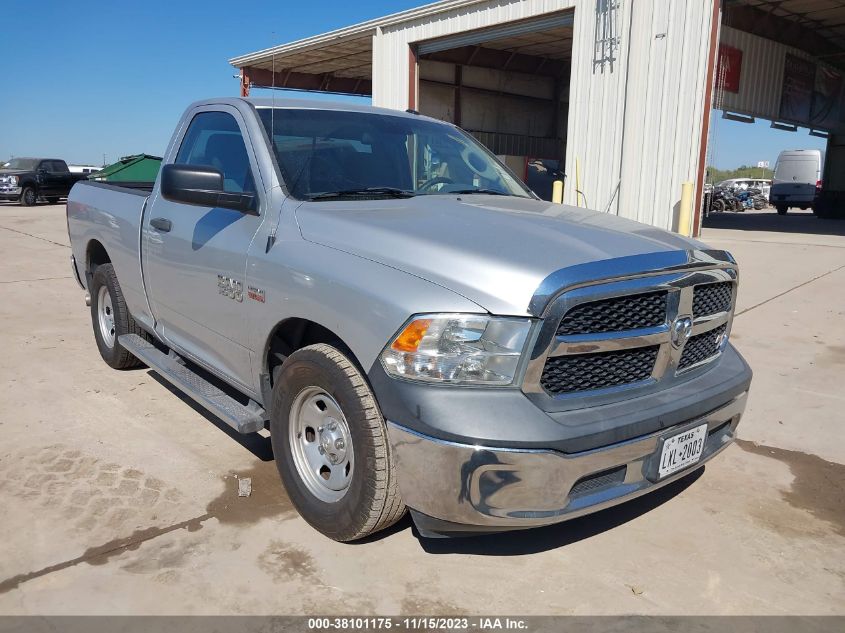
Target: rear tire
718,206
322,401
28,197
781,210
111,319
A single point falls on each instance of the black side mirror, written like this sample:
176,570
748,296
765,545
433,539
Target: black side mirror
202,186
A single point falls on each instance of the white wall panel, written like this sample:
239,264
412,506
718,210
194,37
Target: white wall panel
634,123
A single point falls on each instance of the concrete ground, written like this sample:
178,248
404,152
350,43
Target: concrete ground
118,496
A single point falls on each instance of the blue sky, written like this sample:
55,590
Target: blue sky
84,80
733,144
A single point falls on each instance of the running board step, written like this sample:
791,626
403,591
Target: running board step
244,419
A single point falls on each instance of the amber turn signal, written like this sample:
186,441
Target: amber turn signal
409,339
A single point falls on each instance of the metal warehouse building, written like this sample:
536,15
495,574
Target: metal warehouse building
618,91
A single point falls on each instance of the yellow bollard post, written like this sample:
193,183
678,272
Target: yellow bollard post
685,210
557,192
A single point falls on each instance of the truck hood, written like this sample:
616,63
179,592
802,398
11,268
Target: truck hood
493,250
15,172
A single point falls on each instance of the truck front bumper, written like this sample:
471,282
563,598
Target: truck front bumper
455,488
10,193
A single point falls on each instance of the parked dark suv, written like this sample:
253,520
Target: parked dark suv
28,179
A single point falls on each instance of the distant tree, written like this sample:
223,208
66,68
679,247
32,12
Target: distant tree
718,175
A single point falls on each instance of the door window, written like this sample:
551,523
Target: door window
214,140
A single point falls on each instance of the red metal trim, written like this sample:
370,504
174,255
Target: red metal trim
244,82
263,78
705,126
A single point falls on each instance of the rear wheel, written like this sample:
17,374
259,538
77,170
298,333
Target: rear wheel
28,197
330,442
781,209
718,206
111,319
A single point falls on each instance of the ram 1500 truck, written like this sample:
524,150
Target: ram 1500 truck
415,327
25,180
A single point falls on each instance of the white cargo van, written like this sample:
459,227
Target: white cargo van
797,177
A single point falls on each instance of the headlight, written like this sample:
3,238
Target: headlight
458,348
13,180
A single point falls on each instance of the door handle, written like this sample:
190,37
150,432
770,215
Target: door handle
162,224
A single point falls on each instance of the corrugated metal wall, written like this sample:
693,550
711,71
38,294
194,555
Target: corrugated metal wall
669,45
635,111
390,46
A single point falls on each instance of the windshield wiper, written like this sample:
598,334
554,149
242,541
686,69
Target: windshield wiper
492,192
391,192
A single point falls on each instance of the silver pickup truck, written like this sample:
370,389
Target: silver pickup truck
415,328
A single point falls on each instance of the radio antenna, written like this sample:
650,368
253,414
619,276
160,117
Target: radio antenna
273,98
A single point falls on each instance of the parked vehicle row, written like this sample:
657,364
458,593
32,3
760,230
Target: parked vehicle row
26,180
416,333
722,199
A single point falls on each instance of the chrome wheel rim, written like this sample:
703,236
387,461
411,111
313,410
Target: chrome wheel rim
105,316
29,195
321,444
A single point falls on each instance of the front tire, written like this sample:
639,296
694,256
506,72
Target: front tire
111,319
330,442
28,197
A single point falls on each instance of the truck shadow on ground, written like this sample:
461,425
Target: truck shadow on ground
256,444
536,540
793,222
515,543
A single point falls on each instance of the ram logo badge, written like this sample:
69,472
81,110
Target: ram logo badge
231,288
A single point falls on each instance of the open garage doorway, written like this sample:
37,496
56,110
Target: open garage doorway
509,87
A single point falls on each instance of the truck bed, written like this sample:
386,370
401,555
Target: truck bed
140,187
108,216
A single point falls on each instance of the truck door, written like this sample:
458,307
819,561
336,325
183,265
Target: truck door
194,257
47,178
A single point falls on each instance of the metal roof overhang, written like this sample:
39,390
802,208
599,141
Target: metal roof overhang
337,61
814,26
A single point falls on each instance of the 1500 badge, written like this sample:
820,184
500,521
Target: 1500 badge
231,288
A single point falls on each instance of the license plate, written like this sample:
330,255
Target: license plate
681,450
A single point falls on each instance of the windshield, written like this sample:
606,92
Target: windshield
21,163
332,153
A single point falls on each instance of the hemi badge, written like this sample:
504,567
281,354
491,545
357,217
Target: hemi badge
255,293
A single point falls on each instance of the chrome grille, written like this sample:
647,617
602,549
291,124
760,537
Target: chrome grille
616,314
701,347
633,331
712,299
585,372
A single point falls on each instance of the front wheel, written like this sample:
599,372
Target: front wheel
331,447
110,318
28,197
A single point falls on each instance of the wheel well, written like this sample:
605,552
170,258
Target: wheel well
295,333
96,255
